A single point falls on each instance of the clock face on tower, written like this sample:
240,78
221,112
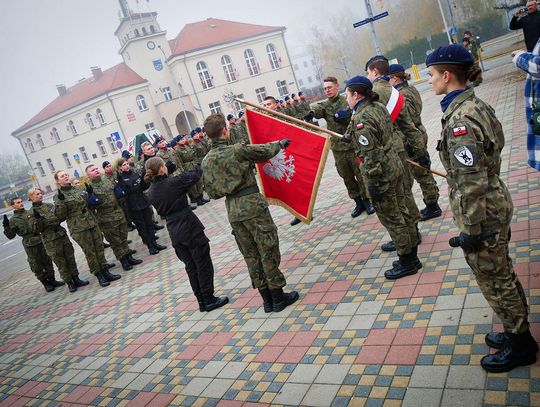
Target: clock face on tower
151,44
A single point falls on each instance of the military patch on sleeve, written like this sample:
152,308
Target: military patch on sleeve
360,126
363,141
459,131
464,156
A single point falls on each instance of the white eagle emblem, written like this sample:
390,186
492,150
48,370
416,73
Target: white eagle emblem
280,167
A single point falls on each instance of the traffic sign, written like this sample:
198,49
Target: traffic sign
361,23
379,16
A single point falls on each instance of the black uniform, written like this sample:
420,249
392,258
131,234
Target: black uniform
168,196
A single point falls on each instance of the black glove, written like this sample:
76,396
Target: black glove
374,193
93,201
424,161
341,116
61,196
309,117
170,167
470,243
284,143
36,214
88,188
5,222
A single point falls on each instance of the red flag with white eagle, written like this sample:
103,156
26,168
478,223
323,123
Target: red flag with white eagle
291,178
395,104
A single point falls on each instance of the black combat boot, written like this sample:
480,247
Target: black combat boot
416,260
158,227
102,280
72,286
406,266
496,340
295,222
131,227
388,247
280,300
518,350
267,299
132,260
200,201
201,304
80,283
110,265
109,276
430,211
47,284
125,263
129,241
152,249
106,245
359,208
56,283
159,246
132,251
370,210
211,303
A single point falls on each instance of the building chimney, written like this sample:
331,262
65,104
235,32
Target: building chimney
61,89
96,71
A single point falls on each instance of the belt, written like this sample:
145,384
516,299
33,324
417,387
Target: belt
178,214
243,192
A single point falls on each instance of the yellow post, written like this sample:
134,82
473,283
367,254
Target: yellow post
416,74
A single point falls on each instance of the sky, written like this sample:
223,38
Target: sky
50,42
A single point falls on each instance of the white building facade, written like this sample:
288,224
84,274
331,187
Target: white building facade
164,85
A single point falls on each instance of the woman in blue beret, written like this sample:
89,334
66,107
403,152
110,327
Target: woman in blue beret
470,149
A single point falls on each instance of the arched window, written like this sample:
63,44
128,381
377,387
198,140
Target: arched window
30,145
101,116
251,62
72,127
137,33
141,103
144,31
40,142
204,75
272,56
152,29
55,135
228,68
90,121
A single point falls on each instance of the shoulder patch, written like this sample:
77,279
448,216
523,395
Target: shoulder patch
363,141
464,156
459,131
360,126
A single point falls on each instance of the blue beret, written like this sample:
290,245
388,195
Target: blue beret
286,98
359,80
193,132
453,54
230,116
198,130
126,154
105,163
240,113
395,68
374,59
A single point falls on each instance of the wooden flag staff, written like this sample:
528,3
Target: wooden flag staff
436,172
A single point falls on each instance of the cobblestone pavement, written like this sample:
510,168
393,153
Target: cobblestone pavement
353,338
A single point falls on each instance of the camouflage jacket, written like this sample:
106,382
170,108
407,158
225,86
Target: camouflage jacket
48,225
470,150
21,224
187,156
371,132
413,102
326,110
170,155
227,170
74,210
302,108
199,150
109,210
239,133
290,110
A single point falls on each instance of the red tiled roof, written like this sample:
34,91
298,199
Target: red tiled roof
212,32
117,77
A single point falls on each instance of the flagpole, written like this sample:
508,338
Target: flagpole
414,163
290,118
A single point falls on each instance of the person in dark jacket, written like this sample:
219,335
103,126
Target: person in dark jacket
169,196
139,208
529,21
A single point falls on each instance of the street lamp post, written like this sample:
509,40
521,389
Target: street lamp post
444,22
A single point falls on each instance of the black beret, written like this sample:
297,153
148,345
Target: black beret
240,113
293,95
453,54
198,130
286,98
193,132
300,93
230,116
395,68
105,163
374,59
359,80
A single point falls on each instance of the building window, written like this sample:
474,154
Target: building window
101,147
253,66
237,106
137,33
51,165
40,169
228,68
30,145
261,94
84,154
152,29
149,127
40,142
101,116
72,127
55,135
67,161
167,93
272,56
215,107
141,103
282,88
144,31
300,82
112,144
90,121
204,75
305,64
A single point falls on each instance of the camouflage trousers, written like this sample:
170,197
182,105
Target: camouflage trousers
348,169
63,255
258,242
394,216
499,283
430,190
123,204
409,201
91,243
40,263
116,234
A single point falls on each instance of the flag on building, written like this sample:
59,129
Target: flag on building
290,179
